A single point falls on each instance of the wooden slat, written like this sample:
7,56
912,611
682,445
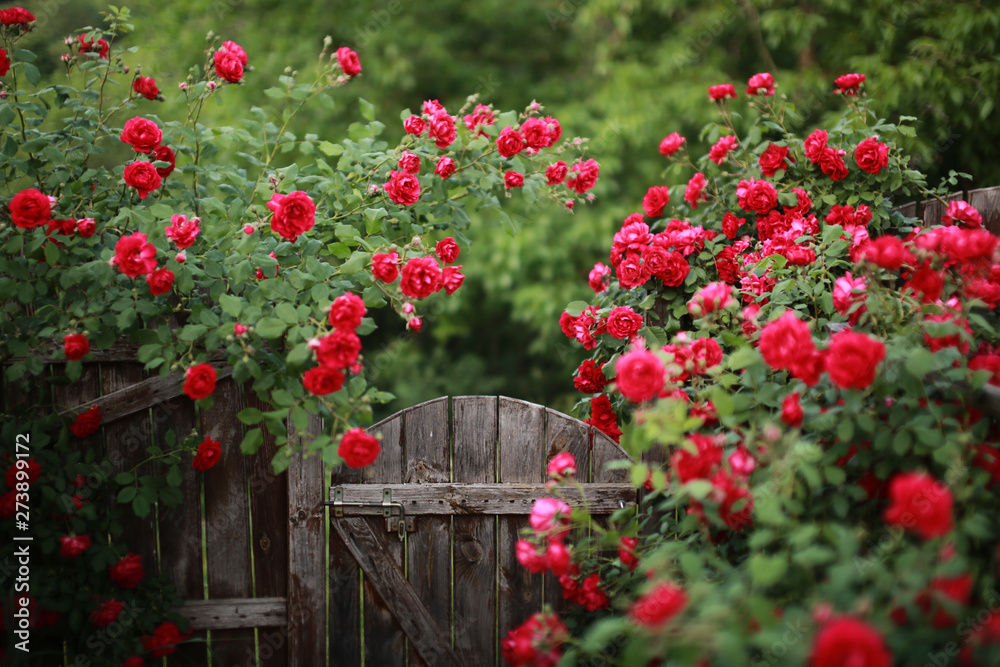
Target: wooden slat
306,567
344,630
384,642
227,521
269,519
476,499
370,547
521,459
137,394
909,210
474,441
932,209
607,450
428,550
987,202
235,613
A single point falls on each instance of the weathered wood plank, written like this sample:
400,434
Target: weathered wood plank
234,613
565,434
269,518
606,450
521,428
987,202
137,395
344,631
428,550
474,441
227,521
369,546
384,641
932,209
306,567
909,210
477,499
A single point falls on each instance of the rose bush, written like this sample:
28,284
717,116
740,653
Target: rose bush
802,404
205,248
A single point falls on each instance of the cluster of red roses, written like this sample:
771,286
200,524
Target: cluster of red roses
12,19
535,643
421,276
146,137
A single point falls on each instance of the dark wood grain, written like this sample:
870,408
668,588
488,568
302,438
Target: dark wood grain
987,202
344,632
932,209
223,613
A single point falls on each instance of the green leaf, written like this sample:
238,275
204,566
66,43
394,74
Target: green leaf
174,476
270,327
252,441
250,416
124,478
575,308
766,570
367,109
126,494
919,362
231,305
286,312
192,332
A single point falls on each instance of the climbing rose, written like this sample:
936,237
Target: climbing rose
106,613
603,418
30,208
199,381
718,152
848,83
721,92
623,322
596,277
143,177
127,572
585,175
626,552
134,256
710,298
510,142
414,125
293,214
73,546
4,63
513,179
164,640
86,227
550,517
183,231
146,86
530,558
358,449
962,212
655,609
18,16
759,81
409,162
791,410
535,133
164,154
228,66
442,129
348,61
445,167
756,196
853,359
786,342
887,252
639,375
848,291
655,200
447,250
103,48
589,377
535,643
920,503
346,311
385,266
141,134
556,172
846,642
421,277
693,191
671,144
561,466
87,423
774,159
953,589
237,51
871,155
209,453
403,188
831,163
323,380
338,349
75,346
160,281
452,278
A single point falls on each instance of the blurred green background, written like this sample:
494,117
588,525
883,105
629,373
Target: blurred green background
623,73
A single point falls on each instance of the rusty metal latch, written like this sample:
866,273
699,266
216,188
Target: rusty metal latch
398,524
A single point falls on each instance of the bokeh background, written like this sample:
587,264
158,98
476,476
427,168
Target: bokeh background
623,73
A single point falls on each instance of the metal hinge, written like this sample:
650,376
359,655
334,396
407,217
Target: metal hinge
399,523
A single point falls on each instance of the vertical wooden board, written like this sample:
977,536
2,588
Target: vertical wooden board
180,527
428,549
269,525
474,441
933,209
344,633
606,450
126,441
384,640
909,210
521,449
306,604
227,522
987,202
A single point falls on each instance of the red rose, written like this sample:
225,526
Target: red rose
731,225
626,552
632,272
183,231
721,148
349,61
774,159
887,252
237,51
658,606
385,266
963,212
589,377
442,129
164,154
209,453
846,641
143,177
339,349
358,449
160,281
764,81
414,125
142,134
655,200
18,16
164,640
452,278
409,162
134,256
403,188
535,133
481,115
639,375
103,48
872,155
952,591
710,298
675,271
421,277
30,208
623,322
322,380
791,410
831,163
536,642
106,613
693,191
294,214
786,342
721,92
920,503
132,661
603,418
346,311
4,63
199,381
756,196
75,346
228,66
510,142
146,86
513,179
597,277
847,292
556,172
848,83
447,250
86,227
530,558
671,143
814,144
585,175
127,572
87,422
71,546
445,167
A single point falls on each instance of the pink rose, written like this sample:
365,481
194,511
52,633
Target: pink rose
348,61
639,375
721,92
671,144
445,167
762,81
513,179
414,125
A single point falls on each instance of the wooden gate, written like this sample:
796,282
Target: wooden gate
463,473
